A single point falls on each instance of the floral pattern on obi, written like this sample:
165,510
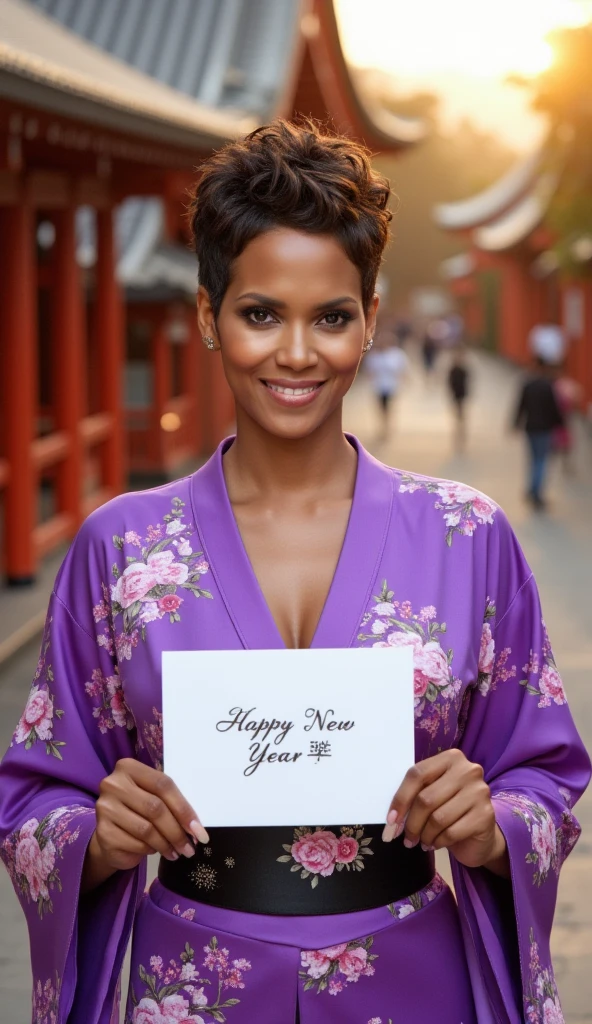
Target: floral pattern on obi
337,966
110,708
437,691
464,508
549,688
31,854
46,1001
160,569
38,719
317,853
175,994
550,845
541,998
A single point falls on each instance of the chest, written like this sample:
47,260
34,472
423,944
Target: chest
294,559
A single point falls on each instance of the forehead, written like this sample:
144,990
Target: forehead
295,265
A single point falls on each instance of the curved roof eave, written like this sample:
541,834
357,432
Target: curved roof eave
380,128
493,201
516,225
44,64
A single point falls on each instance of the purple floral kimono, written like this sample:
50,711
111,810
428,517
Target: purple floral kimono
425,562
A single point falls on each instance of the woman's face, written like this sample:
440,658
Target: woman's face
291,330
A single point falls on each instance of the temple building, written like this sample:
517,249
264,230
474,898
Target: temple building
107,108
509,278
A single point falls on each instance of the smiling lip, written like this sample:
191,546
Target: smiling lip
293,392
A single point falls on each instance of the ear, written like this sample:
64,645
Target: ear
205,315
371,318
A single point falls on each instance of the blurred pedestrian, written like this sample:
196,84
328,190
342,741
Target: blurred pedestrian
538,414
429,351
387,365
458,384
569,396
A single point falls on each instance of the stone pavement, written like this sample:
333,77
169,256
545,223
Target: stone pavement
559,548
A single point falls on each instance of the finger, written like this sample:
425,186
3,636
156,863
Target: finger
143,829
162,785
428,802
467,827
119,847
147,806
442,818
419,775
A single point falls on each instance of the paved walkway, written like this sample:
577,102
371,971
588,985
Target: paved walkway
559,548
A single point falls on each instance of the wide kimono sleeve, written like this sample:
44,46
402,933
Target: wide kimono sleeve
74,728
520,729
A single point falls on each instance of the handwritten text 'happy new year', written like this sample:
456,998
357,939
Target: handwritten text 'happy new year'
267,733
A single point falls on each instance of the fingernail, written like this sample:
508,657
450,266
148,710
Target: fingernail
388,833
173,855
427,849
410,843
196,828
188,850
391,817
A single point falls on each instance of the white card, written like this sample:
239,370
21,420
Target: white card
282,737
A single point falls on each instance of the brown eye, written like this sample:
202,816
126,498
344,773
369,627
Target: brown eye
336,318
258,315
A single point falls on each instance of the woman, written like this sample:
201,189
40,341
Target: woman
293,536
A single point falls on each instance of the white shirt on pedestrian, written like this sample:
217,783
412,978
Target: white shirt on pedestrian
386,368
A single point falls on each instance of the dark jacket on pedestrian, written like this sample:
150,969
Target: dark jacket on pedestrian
458,381
538,411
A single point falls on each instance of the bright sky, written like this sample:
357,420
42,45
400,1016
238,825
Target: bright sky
463,50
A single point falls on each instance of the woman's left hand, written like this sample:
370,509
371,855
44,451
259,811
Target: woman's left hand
444,801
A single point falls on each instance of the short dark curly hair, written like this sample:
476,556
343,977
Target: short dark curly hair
288,175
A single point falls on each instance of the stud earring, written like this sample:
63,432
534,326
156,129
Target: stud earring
209,343
368,345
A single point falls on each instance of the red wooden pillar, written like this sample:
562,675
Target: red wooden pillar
191,370
110,329
18,387
69,363
162,390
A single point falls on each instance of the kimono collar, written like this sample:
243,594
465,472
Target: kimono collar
355,574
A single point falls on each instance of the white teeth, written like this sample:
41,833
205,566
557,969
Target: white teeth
290,391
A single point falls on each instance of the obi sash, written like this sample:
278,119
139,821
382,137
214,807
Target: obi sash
304,871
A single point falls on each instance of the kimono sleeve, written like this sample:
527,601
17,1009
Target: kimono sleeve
520,729
74,728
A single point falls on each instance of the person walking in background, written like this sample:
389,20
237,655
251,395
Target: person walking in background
387,365
538,413
458,384
569,395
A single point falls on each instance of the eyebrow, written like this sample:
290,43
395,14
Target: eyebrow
267,300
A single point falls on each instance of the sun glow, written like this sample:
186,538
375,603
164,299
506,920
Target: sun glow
474,37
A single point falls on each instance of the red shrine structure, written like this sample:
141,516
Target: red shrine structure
106,109
509,279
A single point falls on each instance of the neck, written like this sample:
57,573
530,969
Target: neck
262,465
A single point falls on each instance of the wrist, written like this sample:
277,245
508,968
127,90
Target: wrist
96,868
498,861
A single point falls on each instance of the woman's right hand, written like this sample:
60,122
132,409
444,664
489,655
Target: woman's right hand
139,811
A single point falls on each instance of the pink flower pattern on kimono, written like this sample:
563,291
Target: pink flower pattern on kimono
541,998
335,967
550,844
464,508
46,998
550,686
147,588
417,900
318,852
150,736
37,720
111,709
437,691
31,852
486,651
175,994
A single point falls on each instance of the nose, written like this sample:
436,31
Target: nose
297,349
